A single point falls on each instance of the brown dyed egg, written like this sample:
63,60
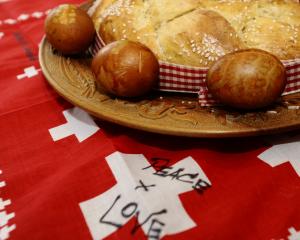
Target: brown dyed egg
247,79
126,69
69,29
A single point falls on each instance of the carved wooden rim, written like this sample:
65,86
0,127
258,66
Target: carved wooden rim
172,114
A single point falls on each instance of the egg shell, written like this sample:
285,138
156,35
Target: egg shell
69,29
126,69
247,79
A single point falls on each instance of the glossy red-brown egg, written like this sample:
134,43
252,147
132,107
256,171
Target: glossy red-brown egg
69,29
126,69
247,79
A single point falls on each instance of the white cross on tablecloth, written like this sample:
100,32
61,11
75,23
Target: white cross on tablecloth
139,192
282,152
29,72
79,123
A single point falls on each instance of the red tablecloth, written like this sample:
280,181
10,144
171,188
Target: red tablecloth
64,175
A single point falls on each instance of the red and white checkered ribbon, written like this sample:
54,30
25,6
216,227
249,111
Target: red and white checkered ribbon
181,78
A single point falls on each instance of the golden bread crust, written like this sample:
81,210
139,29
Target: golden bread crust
198,32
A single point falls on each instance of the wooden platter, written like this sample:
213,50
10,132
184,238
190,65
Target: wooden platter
161,112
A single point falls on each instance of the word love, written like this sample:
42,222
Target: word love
132,209
180,174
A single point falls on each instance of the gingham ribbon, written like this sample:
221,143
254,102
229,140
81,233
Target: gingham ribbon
181,78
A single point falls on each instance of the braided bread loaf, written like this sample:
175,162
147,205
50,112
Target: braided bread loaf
198,32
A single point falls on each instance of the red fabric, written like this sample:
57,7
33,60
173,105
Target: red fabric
46,180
